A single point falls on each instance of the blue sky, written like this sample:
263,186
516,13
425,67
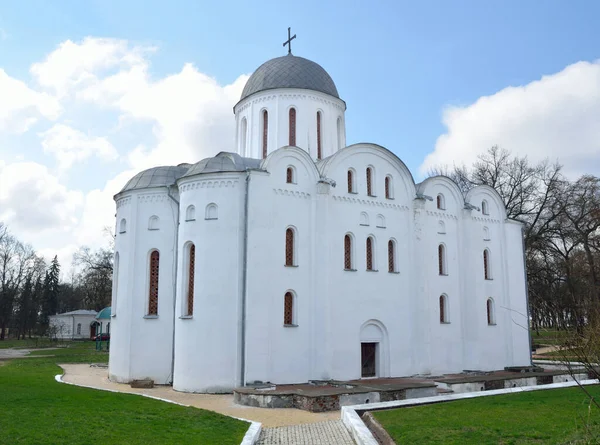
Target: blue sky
436,82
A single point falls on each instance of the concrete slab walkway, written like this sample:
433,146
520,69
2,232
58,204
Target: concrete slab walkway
332,432
83,374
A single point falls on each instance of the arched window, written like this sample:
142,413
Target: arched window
115,286
486,265
364,219
484,207
369,181
351,187
243,135
339,133
288,309
123,226
265,132
153,288
348,252
292,124
319,149
212,211
78,328
441,202
442,259
380,221
153,223
486,234
389,190
191,263
290,247
391,256
289,175
190,213
443,309
370,253
491,316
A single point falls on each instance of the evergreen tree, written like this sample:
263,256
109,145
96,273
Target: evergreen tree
51,291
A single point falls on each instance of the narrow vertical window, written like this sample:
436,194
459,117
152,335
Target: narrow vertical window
350,181
369,253
490,312
369,181
443,314
486,265
265,133
243,135
484,208
292,125
388,187
288,309
289,247
319,152
153,292
442,259
440,202
347,252
289,176
391,256
190,286
78,328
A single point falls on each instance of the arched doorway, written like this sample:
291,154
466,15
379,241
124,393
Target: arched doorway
374,350
93,327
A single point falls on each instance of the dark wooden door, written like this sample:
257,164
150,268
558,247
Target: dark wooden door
368,359
93,330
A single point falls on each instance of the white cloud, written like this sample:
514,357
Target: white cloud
78,64
555,117
32,200
21,107
70,146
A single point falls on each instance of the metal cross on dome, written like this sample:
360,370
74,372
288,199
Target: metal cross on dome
289,41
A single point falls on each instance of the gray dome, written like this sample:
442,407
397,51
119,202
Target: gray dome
290,72
223,162
156,177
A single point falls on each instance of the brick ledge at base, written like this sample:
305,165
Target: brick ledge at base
363,436
250,438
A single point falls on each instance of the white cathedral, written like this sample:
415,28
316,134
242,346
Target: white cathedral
296,257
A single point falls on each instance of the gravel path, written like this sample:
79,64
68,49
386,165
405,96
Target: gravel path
332,432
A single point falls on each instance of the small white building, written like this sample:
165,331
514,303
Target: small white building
296,257
72,325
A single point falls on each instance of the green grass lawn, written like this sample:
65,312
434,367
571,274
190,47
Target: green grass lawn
557,416
29,343
550,337
35,409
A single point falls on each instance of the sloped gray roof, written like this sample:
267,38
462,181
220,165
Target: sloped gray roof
223,162
290,72
79,312
156,177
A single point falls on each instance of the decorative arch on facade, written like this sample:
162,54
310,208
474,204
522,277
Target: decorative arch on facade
348,251
370,253
389,187
190,213
380,221
441,227
189,278
212,211
153,282
392,263
442,266
319,135
278,160
123,225
290,174
265,133
364,219
445,191
491,312
244,135
495,204
351,180
292,126
444,309
290,246
374,331
487,269
486,234
153,223
289,309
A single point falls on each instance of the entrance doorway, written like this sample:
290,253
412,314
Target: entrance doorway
368,357
93,327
